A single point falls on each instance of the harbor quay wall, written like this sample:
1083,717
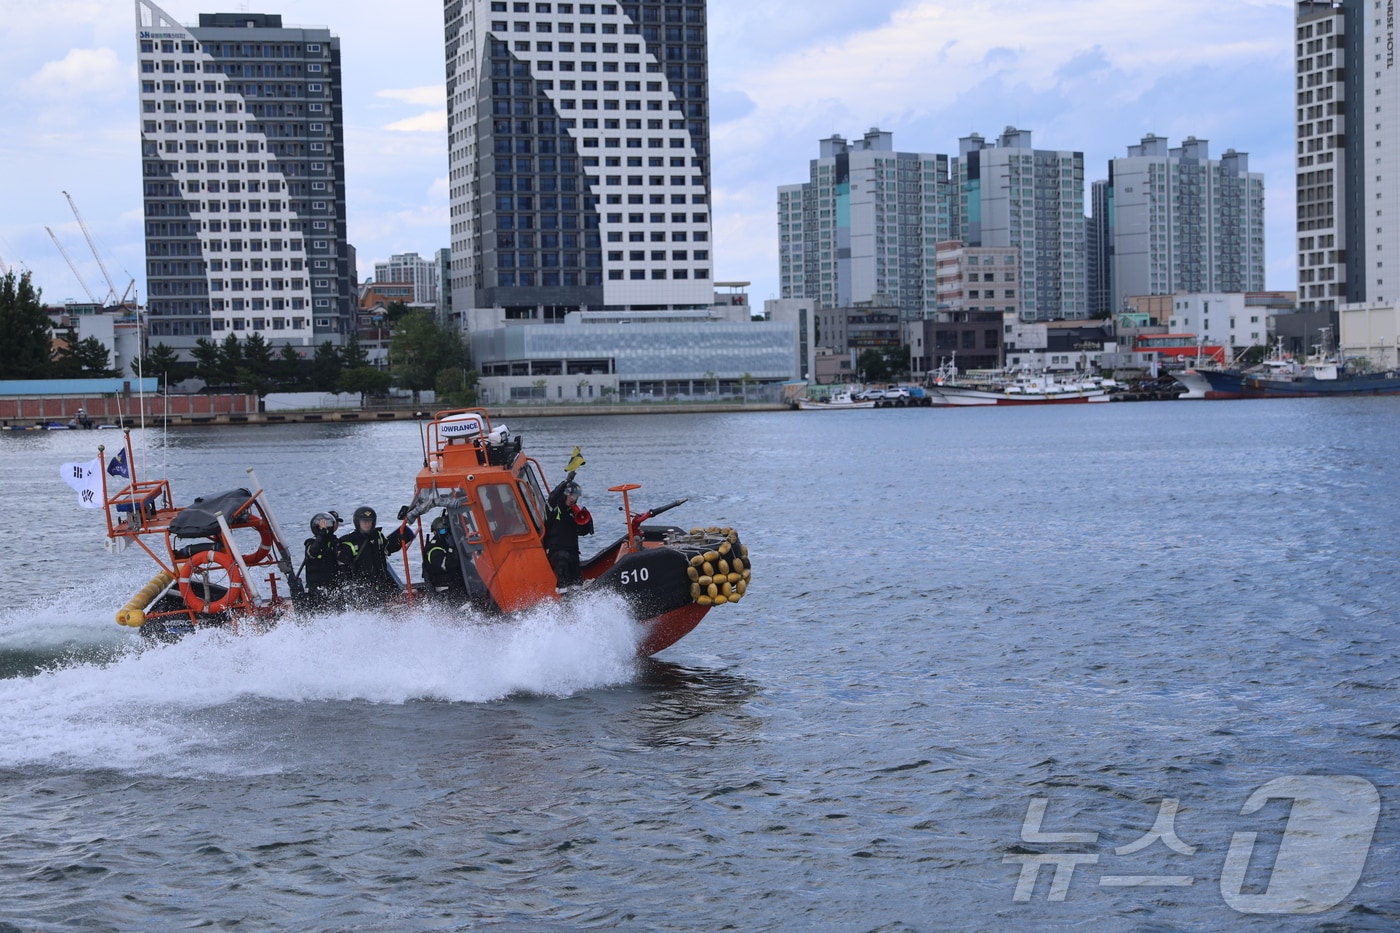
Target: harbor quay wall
121,409
196,410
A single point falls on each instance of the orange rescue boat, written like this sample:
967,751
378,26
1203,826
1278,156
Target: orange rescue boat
225,562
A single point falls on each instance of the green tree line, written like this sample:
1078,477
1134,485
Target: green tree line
423,354
27,346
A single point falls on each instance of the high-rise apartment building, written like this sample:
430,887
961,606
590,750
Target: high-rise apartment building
442,275
579,156
243,170
863,227
1375,160
1011,194
1179,221
411,269
1332,175
1097,251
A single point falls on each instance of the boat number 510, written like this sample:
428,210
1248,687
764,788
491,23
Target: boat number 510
640,575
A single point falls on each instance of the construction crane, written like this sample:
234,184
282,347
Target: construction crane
69,259
111,289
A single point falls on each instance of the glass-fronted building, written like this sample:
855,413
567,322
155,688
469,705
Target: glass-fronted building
595,356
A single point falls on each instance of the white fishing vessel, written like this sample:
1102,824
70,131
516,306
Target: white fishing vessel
839,400
1020,388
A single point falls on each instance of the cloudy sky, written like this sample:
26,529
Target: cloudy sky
1091,75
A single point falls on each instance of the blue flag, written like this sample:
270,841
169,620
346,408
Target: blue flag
118,465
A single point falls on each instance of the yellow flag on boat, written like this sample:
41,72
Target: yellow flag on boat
575,461
86,480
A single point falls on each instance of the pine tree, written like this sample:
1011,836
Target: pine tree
26,336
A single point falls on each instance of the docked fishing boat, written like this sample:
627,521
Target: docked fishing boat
839,400
1193,382
1282,376
1019,388
223,560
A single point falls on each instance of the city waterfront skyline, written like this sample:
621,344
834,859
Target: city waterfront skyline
1083,76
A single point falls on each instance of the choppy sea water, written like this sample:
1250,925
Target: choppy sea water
1016,669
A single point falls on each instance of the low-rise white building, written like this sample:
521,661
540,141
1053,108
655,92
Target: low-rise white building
1220,318
1371,331
118,329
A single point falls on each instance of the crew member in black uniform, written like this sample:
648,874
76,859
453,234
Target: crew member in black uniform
440,566
564,522
364,558
322,559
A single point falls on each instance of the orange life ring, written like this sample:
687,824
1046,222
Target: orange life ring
204,560
264,545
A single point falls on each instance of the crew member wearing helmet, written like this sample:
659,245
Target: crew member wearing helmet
440,566
364,554
564,522
322,561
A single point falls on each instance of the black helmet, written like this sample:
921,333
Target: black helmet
572,489
365,512
440,525
324,521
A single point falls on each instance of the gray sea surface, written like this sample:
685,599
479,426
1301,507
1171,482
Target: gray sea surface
1109,667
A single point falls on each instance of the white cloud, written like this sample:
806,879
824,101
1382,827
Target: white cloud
434,121
435,95
82,73
1028,45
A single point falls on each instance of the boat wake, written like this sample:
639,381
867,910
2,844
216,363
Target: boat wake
94,700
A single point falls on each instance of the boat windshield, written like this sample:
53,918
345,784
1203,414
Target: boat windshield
502,510
463,529
534,497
